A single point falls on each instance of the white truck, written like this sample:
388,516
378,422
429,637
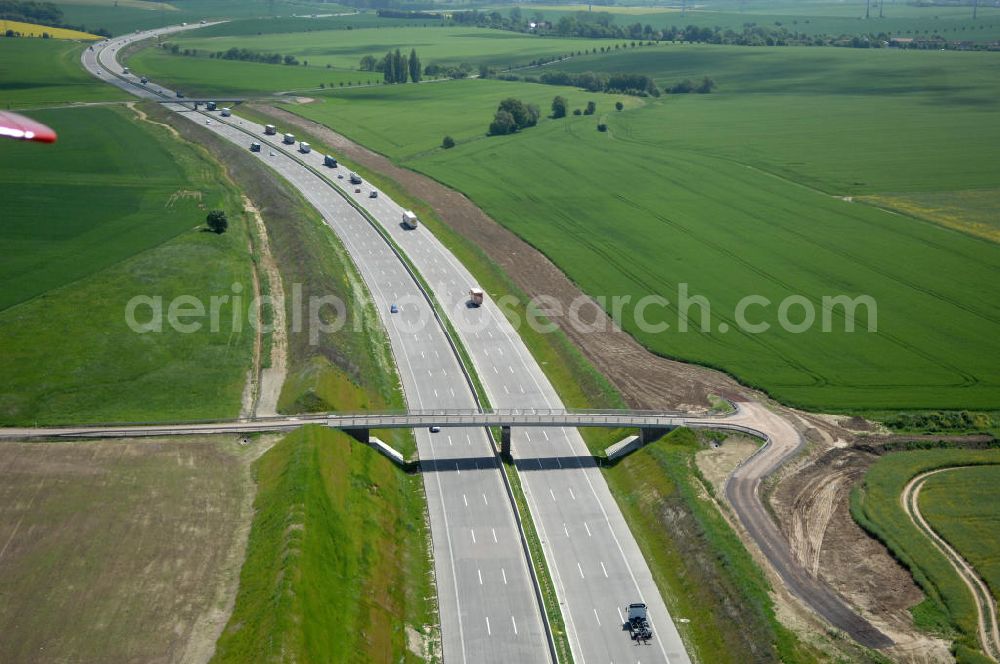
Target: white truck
270,130
305,148
476,297
226,112
409,219
638,622
289,139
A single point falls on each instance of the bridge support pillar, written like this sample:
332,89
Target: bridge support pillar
649,434
505,441
360,435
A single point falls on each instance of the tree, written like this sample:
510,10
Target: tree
388,70
602,127
559,107
503,123
414,63
619,106
591,108
217,221
577,111
706,86
367,63
448,143
525,115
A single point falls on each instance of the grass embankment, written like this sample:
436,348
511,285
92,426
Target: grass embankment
699,564
949,609
115,210
337,528
714,202
349,369
45,72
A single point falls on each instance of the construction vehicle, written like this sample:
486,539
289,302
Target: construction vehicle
476,297
270,130
355,178
409,219
328,160
289,139
305,148
638,622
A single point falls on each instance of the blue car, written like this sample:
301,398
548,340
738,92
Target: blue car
394,309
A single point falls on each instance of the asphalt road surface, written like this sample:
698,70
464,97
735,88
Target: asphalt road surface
489,610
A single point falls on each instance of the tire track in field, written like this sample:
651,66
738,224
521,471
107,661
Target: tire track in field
967,379
612,258
986,606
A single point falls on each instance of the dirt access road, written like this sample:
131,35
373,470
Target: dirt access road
989,634
645,380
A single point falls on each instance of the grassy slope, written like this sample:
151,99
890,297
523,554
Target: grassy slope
661,497
337,527
963,506
949,608
68,353
44,72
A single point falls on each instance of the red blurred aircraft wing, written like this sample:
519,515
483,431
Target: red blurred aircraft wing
19,127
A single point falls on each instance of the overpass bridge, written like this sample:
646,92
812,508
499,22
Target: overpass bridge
651,424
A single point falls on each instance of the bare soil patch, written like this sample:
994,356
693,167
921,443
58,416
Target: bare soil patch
812,506
121,551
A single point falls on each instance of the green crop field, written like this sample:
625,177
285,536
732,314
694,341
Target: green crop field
337,563
45,72
949,608
462,109
963,506
343,49
208,77
739,193
112,211
120,16
954,23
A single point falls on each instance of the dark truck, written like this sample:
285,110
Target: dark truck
637,623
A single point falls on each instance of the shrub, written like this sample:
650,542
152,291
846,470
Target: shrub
448,143
602,127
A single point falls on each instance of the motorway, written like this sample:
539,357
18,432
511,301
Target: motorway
489,611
